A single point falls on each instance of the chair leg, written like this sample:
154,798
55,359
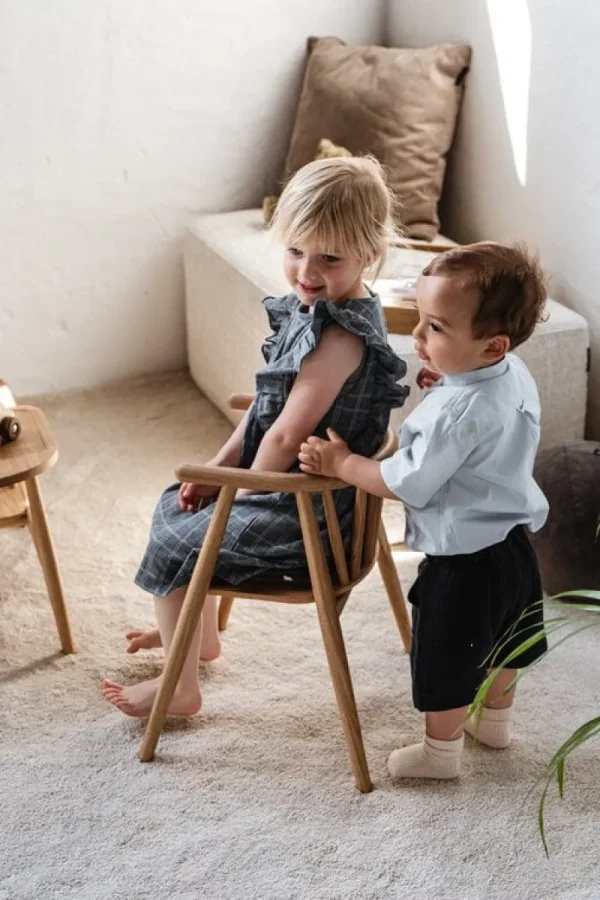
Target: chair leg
225,604
42,541
340,602
393,587
188,620
334,641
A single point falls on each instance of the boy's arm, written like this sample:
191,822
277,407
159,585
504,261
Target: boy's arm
413,474
366,474
417,471
333,458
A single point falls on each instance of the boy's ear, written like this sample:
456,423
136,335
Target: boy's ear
497,347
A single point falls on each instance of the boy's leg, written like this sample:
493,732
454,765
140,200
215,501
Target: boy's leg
446,725
519,593
446,646
499,697
492,725
439,754
138,699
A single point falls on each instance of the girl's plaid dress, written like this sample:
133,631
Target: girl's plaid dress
263,536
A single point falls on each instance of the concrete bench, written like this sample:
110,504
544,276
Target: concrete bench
232,263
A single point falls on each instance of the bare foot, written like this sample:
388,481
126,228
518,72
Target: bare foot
137,700
149,639
143,639
210,649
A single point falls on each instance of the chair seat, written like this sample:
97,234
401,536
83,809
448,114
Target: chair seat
13,506
278,591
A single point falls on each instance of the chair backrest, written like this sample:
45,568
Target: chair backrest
366,519
365,524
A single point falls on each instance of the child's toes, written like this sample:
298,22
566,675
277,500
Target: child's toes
111,689
143,639
134,641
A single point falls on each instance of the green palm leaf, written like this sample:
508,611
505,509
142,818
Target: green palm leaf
578,616
556,766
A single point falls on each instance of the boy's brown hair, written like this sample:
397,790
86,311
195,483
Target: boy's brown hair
510,282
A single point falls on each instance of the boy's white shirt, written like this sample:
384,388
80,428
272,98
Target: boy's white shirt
464,469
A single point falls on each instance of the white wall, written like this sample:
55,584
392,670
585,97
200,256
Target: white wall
530,115
119,121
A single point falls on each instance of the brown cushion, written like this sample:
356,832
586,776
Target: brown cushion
399,105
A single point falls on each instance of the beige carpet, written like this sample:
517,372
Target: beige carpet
252,799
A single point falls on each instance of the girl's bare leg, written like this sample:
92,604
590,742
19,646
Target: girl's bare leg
137,700
210,642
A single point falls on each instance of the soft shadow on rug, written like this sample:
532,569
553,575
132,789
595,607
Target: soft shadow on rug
254,797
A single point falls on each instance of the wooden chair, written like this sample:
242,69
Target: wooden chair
369,545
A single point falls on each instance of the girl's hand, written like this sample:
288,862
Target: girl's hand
426,378
193,497
319,457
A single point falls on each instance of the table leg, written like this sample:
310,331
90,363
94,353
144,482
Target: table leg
42,539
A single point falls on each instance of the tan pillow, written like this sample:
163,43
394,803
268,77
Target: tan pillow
399,105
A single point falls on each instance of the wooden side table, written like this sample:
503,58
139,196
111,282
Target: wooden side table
406,260
397,297
21,503
401,314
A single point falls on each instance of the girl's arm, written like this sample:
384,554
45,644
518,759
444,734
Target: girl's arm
194,496
230,453
322,376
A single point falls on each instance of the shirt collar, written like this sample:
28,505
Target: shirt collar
475,375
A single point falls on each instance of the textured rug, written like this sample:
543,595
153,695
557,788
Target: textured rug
254,797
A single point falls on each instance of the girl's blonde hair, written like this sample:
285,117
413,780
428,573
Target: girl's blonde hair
343,205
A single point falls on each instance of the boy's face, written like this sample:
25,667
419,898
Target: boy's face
444,338
313,274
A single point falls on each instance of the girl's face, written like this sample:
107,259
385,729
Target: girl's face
313,274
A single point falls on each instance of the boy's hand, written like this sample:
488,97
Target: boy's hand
319,457
426,378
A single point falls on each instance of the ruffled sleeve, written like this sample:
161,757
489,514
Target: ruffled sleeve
362,409
365,319
361,317
279,310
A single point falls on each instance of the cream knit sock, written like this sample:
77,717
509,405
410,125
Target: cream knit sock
493,728
431,759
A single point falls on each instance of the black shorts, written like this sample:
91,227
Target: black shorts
463,607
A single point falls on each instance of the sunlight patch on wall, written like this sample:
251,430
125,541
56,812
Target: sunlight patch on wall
510,24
